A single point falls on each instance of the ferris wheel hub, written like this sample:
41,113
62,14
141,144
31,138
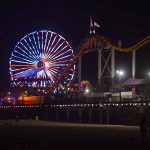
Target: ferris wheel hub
40,64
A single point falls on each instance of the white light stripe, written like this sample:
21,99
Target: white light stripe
52,42
26,49
52,55
38,40
33,54
58,47
57,65
29,58
42,40
51,77
21,62
49,42
56,43
36,52
18,47
45,44
36,44
62,54
22,59
64,57
54,71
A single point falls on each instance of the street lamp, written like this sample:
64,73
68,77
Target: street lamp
119,73
86,90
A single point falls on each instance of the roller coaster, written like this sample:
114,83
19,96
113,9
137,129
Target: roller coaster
99,42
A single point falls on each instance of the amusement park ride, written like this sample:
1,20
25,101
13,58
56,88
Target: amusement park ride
39,58
44,60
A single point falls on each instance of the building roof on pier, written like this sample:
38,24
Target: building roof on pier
131,81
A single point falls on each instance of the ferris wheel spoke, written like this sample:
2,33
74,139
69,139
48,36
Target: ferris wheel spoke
46,50
55,52
35,42
23,59
47,60
55,45
42,41
34,49
64,57
24,39
61,62
58,65
20,61
38,40
50,76
54,67
53,76
52,43
18,48
50,60
61,50
52,55
62,54
27,49
24,55
45,43
54,71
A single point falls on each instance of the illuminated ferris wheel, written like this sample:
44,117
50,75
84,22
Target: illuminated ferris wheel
39,58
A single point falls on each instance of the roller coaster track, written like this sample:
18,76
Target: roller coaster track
129,49
104,42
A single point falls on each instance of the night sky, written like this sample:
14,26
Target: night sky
126,21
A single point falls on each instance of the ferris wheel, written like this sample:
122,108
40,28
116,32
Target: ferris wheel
39,58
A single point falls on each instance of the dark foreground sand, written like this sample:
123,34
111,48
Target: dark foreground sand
44,135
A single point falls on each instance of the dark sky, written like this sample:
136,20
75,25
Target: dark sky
120,20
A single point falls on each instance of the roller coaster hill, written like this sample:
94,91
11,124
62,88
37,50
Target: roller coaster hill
51,81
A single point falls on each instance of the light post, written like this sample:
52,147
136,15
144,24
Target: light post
149,84
86,90
120,73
